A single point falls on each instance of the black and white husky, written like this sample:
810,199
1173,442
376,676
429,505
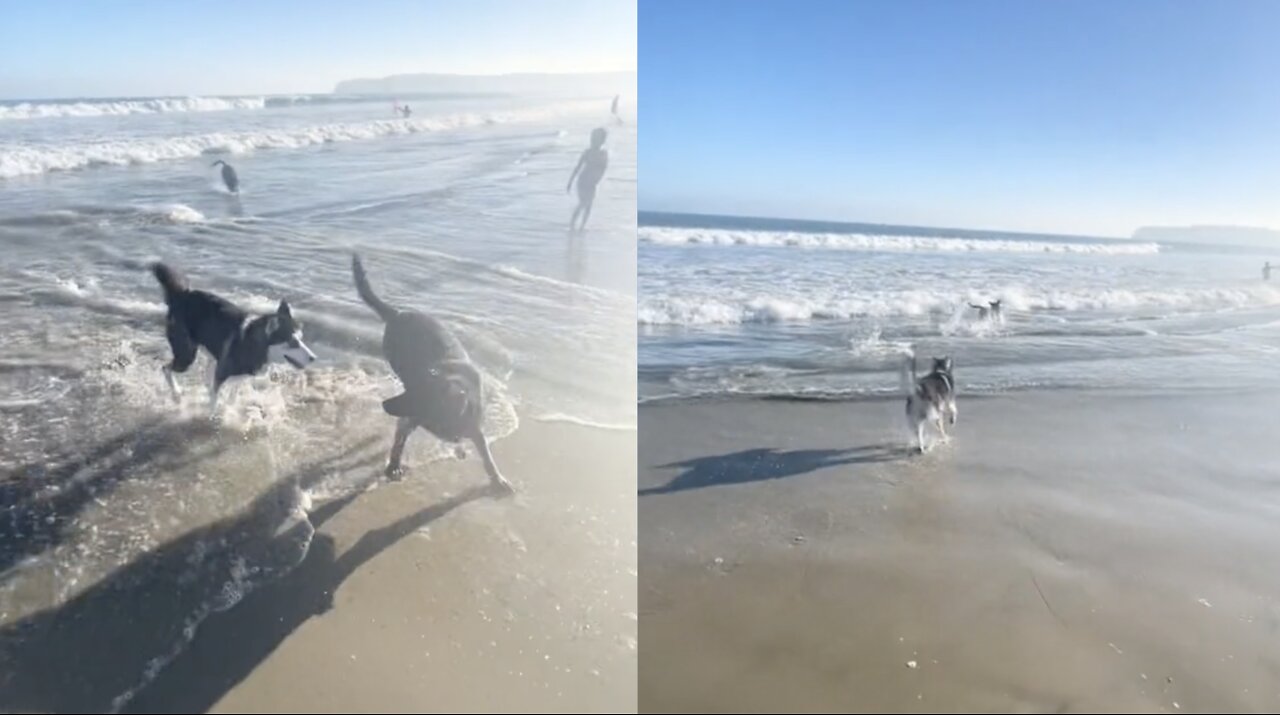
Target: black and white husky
239,343
932,398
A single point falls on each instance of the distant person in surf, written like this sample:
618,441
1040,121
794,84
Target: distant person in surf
589,171
406,111
614,108
229,176
1266,271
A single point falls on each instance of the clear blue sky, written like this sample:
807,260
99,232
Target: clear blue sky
1077,116
61,48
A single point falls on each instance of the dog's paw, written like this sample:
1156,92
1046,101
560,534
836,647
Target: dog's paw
502,488
394,472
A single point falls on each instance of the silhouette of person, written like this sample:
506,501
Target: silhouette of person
589,171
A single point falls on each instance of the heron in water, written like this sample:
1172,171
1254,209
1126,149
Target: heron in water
229,176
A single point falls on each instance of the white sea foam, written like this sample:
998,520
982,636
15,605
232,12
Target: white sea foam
780,309
874,345
181,213
20,160
584,421
792,307
139,215
40,110
872,242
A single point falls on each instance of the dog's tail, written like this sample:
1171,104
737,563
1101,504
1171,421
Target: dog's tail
910,380
365,290
172,283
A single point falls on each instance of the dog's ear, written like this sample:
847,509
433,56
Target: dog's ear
946,363
283,311
398,406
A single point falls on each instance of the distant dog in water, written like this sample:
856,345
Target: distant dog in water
239,343
229,176
991,311
932,398
443,391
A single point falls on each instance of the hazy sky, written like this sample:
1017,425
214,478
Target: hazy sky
60,48
1081,116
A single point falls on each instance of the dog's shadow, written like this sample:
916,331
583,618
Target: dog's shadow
765,463
39,502
240,585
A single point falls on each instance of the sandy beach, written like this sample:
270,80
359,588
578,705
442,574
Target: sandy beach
488,606
154,560
420,595
1067,552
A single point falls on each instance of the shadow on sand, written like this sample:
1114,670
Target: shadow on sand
180,626
38,503
754,465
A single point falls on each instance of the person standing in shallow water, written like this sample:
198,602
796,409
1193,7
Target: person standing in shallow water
589,171
1266,271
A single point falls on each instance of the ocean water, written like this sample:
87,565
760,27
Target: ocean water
460,211
831,311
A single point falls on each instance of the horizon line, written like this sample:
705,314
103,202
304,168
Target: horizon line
1011,232
846,222
13,98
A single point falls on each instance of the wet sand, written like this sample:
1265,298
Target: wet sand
1067,552
488,605
420,595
